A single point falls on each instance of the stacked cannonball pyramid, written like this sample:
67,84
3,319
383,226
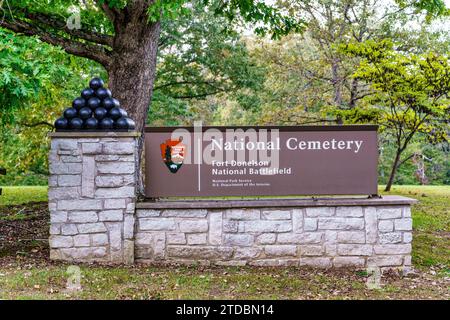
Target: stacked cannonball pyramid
95,110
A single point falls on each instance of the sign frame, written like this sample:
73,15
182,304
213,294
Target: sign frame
300,128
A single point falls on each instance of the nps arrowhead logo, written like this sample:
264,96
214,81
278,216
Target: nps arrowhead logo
172,152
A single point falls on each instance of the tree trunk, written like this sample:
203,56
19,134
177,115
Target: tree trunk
133,69
393,170
337,99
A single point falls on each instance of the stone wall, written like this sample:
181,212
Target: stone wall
317,236
92,196
95,217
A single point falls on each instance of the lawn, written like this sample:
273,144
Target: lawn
26,272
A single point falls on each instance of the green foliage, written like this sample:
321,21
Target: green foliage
271,19
197,59
38,81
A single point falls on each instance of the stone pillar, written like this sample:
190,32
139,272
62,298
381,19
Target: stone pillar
92,196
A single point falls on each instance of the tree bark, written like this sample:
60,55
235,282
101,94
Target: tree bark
395,166
132,70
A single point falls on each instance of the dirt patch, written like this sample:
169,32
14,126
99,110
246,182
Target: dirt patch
24,231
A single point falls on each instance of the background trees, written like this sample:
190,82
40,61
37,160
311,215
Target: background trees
211,69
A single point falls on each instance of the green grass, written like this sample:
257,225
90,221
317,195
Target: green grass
143,282
22,194
431,224
431,256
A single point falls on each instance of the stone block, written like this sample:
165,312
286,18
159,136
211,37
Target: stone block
306,237
230,226
110,215
99,239
63,193
215,228
193,225
70,159
69,229
115,236
310,224
116,148
386,226
266,238
316,262
91,148
340,223
146,213
349,212
320,211
389,212
58,216
65,168
392,249
128,226
91,227
80,204
390,237
200,252
385,261
82,240
247,253
407,237
280,250
82,216
351,237
192,213
404,224
175,238
116,167
61,241
355,249
297,220
69,180
241,240
268,226
276,214
157,224
311,250
115,204
196,238
120,192
341,262
243,214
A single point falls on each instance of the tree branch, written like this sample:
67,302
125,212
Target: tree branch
36,124
93,52
56,23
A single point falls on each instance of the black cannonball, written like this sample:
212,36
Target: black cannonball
115,113
121,123
91,123
94,102
87,93
61,123
131,124
123,113
70,113
79,103
96,83
85,113
106,123
76,123
100,113
103,93
109,103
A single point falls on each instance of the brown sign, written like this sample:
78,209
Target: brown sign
253,161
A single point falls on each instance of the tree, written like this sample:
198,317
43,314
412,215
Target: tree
411,94
200,58
124,35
